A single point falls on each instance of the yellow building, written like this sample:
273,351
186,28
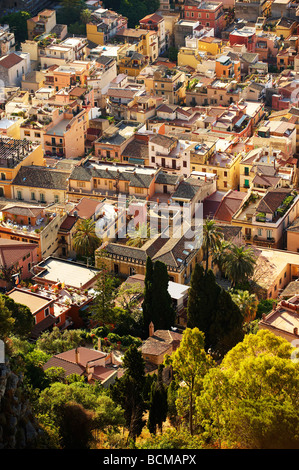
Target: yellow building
285,27
188,56
210,45
145,42
33,81
13,155
225,164
126,261
263,218
171,84
287,115
95,34
10,128
132,63
42,23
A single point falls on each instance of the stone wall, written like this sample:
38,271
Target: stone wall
17,426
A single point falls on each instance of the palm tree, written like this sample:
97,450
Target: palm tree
85,240
247,304
212,236
138,236
240,264
220,255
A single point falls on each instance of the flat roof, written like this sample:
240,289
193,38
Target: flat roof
177,290
67,272
59,128
33,301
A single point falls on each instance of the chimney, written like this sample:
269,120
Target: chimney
77,356
89,371
151,329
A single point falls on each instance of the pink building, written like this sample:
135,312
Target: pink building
16,257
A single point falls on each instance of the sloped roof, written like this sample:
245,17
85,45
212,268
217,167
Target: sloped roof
10,60
161,341
136,149
12,251
136,179
68,223
41,177
229,205
272,200
154,18
163,140
86,207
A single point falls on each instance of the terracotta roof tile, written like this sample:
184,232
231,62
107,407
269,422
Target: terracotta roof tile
10,60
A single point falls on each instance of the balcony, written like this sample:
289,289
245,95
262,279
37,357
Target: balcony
264,241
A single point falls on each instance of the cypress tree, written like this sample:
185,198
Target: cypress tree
128,391
202,298
158,404
212,310
163,311
157,304
147,304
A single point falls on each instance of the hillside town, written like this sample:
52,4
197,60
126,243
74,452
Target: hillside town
149,223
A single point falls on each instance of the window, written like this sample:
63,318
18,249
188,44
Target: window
3,177
19,195
42,197
36,134
47,311
56,198
184,164
260,232
269,234
246,184
32,196
81,184
246,171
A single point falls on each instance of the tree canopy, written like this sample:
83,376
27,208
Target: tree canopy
250,401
